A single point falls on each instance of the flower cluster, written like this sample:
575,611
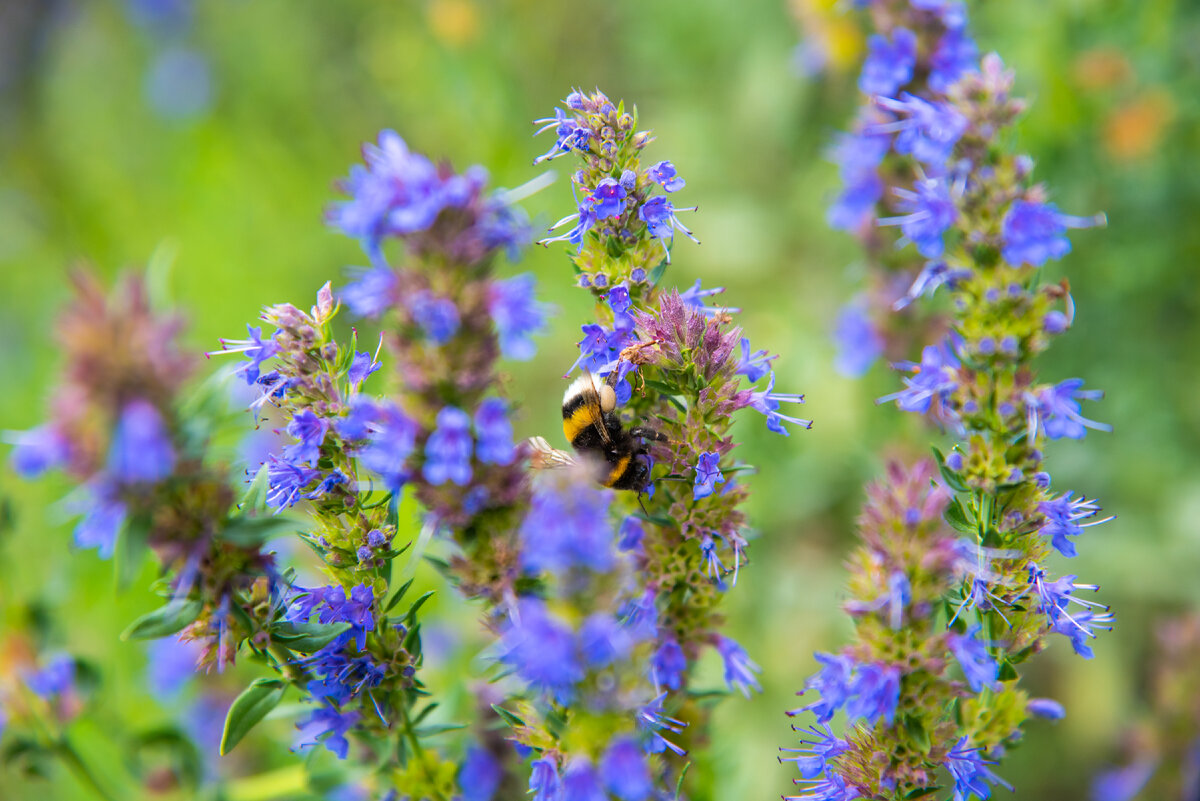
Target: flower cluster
672,359
142,472
945,614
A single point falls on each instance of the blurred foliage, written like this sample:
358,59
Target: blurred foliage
226,156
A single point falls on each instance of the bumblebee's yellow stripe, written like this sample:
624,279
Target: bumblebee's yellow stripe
618,470
580,419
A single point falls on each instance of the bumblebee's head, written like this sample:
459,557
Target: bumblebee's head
639,473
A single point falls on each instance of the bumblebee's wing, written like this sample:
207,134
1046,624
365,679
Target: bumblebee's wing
591,397
545,457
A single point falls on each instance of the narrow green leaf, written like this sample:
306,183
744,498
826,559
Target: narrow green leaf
956,516
255,497
509,717
437,728
248,709
679,784
424,713
921,792
399,594
163,621
249,532
657,273
1007,672
307,637
952,480
130,550
411,615
917,734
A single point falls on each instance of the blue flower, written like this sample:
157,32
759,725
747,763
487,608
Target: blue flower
855,206
608,199
753,365
480,775
708,475
141,448
493,433
361,368
372,294
663,173
640,616
38,450
713,567
980,669
652,719
392,438
603,641
584,219
581,782
1034,233
544,783
875,692
56,677
448,449
935,377
669,664
931,211
858,341
329,726
1123,784
504,225
955,55
310,430
889,65
1046,708
928,132
740,670
542,651
625,772
859,153
932,276
287,481
518,316
1054,601
103,518
831,787
767,402
569,132
659,215
256,349
567,528
1062,520
832,681
629,537
438,317
172,663
814,758
972,778
357,610
1055,411
693,298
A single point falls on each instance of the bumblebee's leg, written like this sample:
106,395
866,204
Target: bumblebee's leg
648,433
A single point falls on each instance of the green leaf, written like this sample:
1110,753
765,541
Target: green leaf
249,532
399,594
679,784
424,713
917,734
921,792
411,615
255,497
248,709
163,621
307,637
1007,672
437,728
130,551
657,273
509,717
952,480
956,516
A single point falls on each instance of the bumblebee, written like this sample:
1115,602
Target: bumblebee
591,425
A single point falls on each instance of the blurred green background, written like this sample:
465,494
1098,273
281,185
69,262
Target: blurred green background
217,136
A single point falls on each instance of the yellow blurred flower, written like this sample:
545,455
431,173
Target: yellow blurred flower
1135,129
454,22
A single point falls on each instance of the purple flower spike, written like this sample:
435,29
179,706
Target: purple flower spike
981,670
141,449
708,475
889,65
972,778
930,210
448,450
1035,233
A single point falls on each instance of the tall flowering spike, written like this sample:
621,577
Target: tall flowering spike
949,589
675,370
